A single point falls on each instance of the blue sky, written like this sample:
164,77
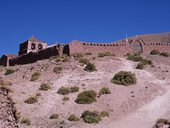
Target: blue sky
85,20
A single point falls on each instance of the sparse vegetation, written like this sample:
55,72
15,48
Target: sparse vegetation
4,82
124,78
57,70
78,55
35,76
4,85
155,52
161,122
67,90
66,98
86,97
44,87
74,89
140,59
103,54
165,54
140,66
91,117
104,91
31,100
54,116
25,121
62,58
90,67
104,114
38,94
63,90
84,61
108,54
135,57
73,117
6,88
88,53
9,71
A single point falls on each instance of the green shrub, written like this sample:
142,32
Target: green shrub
62,58
90,67
31,100
25,121
104,91
44,87
141,60
67,90
91,117
101,54
155,52
140,66
104,114
165,54
63,90
73,117
84,61
86,97
124,78
35,76
88,53
66,98
74,89
135,58
57,70
54,116
9,71
108,54
161,122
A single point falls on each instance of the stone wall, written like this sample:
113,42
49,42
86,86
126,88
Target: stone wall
118,49
162,47
7,111
35,56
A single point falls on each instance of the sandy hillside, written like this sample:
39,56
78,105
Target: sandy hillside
135,106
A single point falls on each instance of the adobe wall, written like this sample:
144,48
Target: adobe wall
35,56
119,49
162,47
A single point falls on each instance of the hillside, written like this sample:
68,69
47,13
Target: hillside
138,105
161,37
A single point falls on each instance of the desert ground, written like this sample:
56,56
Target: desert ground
134,106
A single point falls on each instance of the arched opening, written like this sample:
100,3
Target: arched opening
137,46
32,46
66,50
40,46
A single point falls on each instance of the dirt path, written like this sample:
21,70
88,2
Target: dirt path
146,115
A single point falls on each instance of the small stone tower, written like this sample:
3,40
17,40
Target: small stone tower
31,45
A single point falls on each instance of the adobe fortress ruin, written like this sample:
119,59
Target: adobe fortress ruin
33,49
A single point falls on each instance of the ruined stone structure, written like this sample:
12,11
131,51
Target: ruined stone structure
33,50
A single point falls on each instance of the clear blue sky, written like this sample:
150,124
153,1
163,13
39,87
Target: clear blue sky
85,20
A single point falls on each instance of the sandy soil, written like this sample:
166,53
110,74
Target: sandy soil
136,106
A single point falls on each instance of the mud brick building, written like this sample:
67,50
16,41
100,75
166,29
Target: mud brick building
33,49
